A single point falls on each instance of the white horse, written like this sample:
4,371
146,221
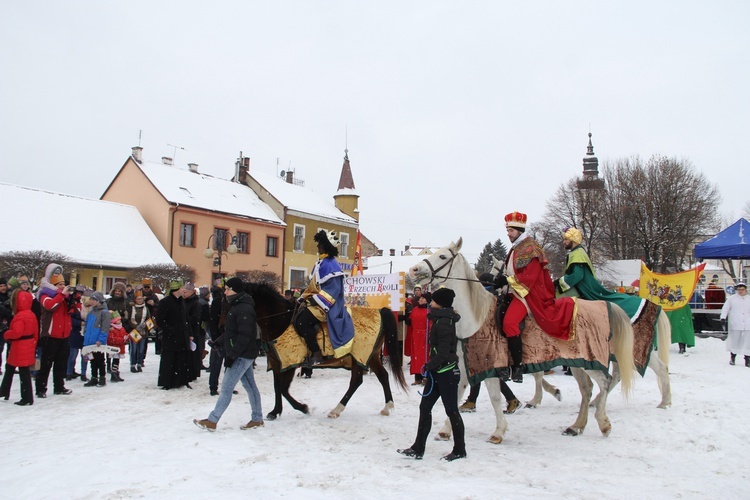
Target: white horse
659,364
447,267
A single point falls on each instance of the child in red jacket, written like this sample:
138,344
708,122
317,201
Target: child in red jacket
118,337
24,334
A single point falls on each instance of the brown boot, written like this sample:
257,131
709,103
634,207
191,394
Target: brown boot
205,424
251,425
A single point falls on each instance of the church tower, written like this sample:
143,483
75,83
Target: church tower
590,179
346,198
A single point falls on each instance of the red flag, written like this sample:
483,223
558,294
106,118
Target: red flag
357,267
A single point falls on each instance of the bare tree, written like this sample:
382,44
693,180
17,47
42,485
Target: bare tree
162,274
655,210
746,211
268,277
32,263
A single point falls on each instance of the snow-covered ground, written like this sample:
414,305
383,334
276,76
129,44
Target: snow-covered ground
134,440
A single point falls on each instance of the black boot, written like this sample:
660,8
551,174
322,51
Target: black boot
515,346
682,347
92,383
102,381
732,357
747,361
459,447
416,450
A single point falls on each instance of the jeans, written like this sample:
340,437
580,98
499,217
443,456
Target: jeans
72,360
137,350
240,371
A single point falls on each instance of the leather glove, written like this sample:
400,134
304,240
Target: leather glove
500,281
228,362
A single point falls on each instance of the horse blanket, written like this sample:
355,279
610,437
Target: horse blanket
486,351
644,332
368,329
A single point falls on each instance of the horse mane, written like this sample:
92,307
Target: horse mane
480,299
263,290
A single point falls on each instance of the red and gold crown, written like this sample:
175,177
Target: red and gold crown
516,219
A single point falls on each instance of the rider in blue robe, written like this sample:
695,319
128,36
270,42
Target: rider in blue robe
325,299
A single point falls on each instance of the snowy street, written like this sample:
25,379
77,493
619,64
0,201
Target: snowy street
132,440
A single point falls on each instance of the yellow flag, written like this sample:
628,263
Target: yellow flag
670,291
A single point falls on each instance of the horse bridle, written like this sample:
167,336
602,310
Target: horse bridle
434,272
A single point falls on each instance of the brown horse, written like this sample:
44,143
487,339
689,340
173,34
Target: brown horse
274,316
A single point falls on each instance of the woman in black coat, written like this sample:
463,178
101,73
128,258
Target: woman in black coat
442,375
171,318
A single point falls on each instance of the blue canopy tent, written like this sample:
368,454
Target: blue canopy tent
731,243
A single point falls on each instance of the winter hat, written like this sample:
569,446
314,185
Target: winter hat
219,282
443,297
56,278
487,279
146,281
13,282
3,281
741,284
97,296
115,317
175,285
235,284
189,287
203,291
118,286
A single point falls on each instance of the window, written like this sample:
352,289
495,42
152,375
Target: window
298,278
299,238
343,245
187,235
220,239
272,246
243,242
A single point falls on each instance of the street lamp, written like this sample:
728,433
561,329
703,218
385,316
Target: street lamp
219,247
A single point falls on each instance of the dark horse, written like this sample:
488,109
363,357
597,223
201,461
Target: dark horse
274,316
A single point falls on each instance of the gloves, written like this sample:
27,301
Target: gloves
228,362
500,281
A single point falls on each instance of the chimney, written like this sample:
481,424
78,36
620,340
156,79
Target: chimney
290,177
244,170
138,154
193,167
406,248
392,252
166,160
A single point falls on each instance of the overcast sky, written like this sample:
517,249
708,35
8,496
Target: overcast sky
457,112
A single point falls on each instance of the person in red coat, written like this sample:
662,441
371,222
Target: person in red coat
56,325
532,289
420,325
24,334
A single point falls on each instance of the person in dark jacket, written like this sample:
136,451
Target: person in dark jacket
171,319
442,377
196,335
75,341
240,350
218,312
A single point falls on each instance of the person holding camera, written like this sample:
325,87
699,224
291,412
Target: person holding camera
56,325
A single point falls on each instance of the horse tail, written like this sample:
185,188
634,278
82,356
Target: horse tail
395,360
664,339
622,347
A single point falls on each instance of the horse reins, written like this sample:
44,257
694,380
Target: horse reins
434,272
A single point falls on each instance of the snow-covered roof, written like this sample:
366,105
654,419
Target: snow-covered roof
208,192
619,272
90,232
299,198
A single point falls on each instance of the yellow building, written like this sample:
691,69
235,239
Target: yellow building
306,213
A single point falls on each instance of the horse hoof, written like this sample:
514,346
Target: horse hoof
495,440
529,405
387,409
664,406
272,416
305,409
442,436
571,432
558,395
